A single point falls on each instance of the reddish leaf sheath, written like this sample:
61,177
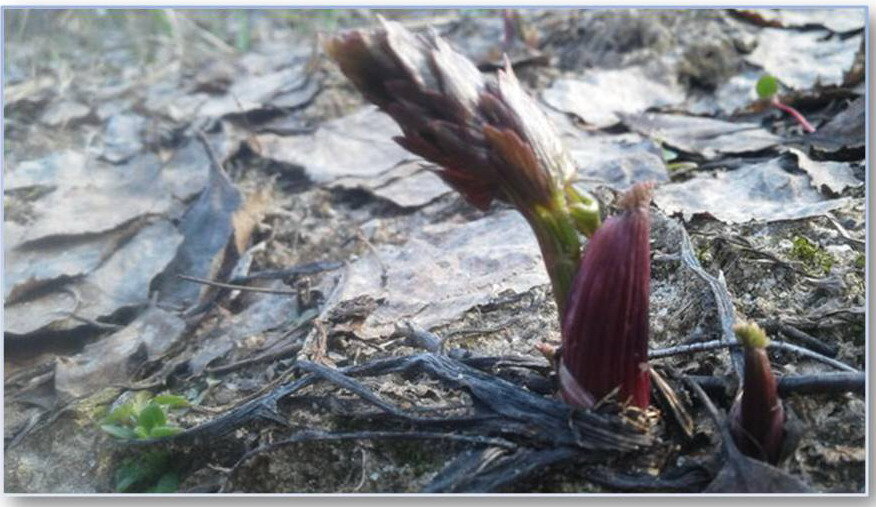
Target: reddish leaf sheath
605,328
757,417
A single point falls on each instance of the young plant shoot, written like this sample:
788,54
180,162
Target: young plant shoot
767,88
490,139
605,329
757,418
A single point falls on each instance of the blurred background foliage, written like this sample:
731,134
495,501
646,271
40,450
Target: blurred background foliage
108,38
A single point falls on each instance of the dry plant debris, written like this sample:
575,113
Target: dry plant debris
347,323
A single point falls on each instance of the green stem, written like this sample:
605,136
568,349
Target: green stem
560,249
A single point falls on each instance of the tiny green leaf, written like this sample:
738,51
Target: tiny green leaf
122,414
164,431
141,432
583,210
140,400
751,335
681,166
122,432
171,400
586,218
152,415
767,86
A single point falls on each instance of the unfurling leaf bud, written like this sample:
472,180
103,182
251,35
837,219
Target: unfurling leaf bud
757,418
584,210
605,328
489,138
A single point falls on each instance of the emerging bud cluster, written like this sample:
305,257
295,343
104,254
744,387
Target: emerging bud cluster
489,138
492,141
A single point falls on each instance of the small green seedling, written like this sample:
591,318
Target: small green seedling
143,417
673,165
767,88
810,254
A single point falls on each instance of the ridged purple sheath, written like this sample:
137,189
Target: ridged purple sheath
605,328
757,418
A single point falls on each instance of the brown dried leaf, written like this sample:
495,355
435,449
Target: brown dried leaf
803,59
217,228
705,136
63,113
409,184
763,191
356,145
89,196
600,94
828,177
122,281
444,270
837,20
59,259
116,358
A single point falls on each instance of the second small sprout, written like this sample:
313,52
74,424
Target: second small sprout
767,88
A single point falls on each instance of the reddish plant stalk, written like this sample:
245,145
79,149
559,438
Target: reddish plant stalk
605,329
757,417
793,112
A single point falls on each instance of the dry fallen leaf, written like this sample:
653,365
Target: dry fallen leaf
444,270
207,229
827,176
762,191
409,184
803,59
359,144
600,94
707,137
121,281
116,358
